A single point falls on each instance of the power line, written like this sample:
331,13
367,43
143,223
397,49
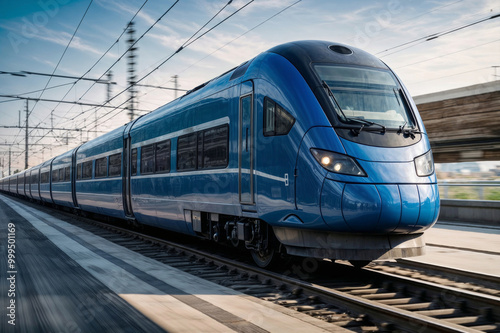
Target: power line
448,54
434,36
63,102
137,40
64,52
68,77
188,42
160,87
62,56
185,45
443,77
80,78
243,34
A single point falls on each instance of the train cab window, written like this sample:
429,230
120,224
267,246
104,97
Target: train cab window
101,167
215,147
162,153
134,162
87,170
115,165
55,176
147,159
79,171
187,152
277,121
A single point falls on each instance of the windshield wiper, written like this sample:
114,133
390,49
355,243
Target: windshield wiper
332,96
361,121
409,132
365,122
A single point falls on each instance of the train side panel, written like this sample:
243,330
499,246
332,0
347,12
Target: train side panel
45,181
35,183
195,179
98,175
61,180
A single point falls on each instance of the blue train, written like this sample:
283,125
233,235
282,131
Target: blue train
314,149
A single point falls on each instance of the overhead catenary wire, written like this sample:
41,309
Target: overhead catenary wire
128,49
88,71
186,44
59,62
99,60
431,37
447,54
243,34
64,52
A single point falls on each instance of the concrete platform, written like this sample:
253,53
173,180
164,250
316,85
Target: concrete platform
65,279
469,247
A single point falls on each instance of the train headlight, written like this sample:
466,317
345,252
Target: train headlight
424,164
338,163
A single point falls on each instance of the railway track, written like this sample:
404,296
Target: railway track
365,300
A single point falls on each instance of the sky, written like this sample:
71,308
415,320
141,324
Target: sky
86,38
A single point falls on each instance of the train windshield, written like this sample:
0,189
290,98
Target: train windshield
367,95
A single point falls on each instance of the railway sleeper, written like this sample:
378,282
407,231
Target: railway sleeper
440,312
467,320
413,306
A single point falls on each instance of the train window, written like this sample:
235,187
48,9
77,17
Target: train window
187,152
55,176
162,153
269,117
87,170
373,95
147,159
216,147
79,171
134,162
277,121
115,165
199,151
67,174
61,175
101,167
45,177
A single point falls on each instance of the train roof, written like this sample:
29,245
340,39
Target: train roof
302,53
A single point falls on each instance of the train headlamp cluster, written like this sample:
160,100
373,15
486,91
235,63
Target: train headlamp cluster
338,163
424,164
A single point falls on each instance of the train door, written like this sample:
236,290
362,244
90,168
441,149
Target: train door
73,176
126,172
246,147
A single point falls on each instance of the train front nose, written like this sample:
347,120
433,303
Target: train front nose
379,208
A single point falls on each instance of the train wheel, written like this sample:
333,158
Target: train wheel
265,258
359,263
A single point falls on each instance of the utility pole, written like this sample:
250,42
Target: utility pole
175,77
131,69
10,151
26,139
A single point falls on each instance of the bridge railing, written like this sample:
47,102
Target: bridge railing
470,189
